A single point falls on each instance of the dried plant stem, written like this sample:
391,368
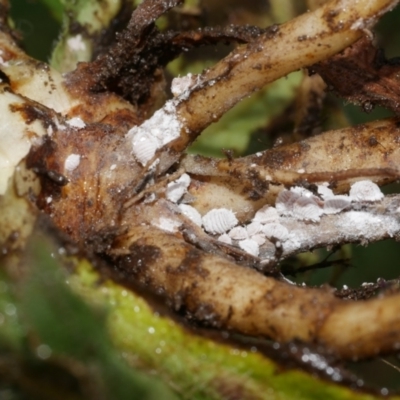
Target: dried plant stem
339,157
303,41
208,285
361,223
221,293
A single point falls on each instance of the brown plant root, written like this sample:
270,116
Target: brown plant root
338,157
99,204
219,293
304,41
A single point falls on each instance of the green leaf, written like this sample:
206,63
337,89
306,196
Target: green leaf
55,8
83,22
38,22
11,331
197,367
68,327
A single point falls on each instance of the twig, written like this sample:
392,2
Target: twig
303,41
221,293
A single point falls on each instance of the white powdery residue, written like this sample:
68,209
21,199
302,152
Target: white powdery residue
72,162
149,199
59,126
191,213
163,127
238,233
276,231
225,238
49,199
76,122
76,43
169,107
293,242
112,167
362,223
268,177
250,246
177,188
167,224
366,284
307,209
336,204
219,220
266,214
49,130
259,154
358,24
365,191
180,84
37,141
325,192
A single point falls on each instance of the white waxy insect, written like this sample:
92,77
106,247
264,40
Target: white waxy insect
76,43
325,192
150,198
266,214
76,122
219,220
301,191
144,146
250,246
72,162
254,228
259,238
276,231
306,208
336,204
191,213
225,238
284,202
181,84
167,224
365,191
176,189
163,127
366,284
238,233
